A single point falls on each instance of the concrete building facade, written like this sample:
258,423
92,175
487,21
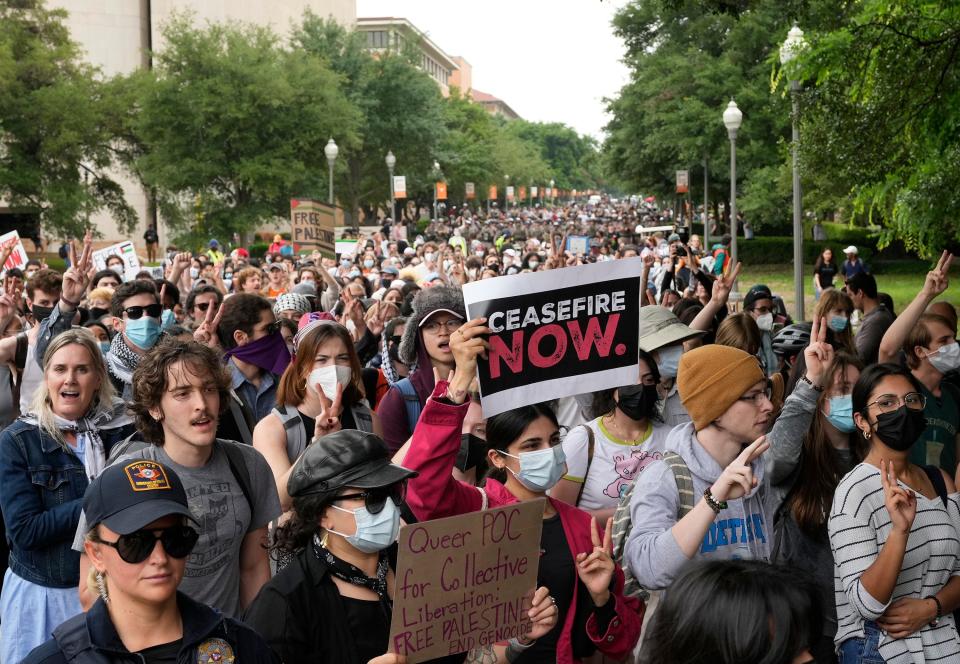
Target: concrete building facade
389,33
117,36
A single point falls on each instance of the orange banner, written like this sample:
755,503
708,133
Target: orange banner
523,193
441,191
492,194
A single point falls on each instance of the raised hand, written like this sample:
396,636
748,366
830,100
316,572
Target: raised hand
328,420
937,279
379,320
207,332
8,309
648,260
182,260
737,479
596,568
75,278
723,284
543,612
818,354
901,503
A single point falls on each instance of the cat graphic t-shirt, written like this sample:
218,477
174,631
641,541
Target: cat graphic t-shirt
223,517
615,465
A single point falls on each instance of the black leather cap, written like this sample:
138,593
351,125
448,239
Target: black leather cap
345,458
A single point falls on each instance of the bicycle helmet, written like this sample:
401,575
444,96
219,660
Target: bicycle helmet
792,339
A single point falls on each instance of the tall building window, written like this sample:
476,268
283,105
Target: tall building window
377,39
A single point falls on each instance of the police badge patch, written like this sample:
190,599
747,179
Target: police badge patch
215,651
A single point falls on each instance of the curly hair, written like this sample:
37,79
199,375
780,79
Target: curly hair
303,524
46,280
152,377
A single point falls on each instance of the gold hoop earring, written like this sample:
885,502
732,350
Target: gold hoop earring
866,435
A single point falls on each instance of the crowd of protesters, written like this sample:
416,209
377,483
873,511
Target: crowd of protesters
215,464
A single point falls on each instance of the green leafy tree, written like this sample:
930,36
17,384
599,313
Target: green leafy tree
399,106
882,117
58,122
231,125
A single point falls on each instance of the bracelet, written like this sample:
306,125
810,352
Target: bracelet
939,610
515,643
715,505
818,388
73,305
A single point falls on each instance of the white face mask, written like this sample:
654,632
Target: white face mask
327,378
429,256
946,358
765,322
117,268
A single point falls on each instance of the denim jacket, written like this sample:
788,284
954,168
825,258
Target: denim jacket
41,495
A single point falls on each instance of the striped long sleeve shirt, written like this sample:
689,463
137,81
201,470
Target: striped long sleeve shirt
859,525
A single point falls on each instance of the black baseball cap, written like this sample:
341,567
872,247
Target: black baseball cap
132,494
758,292
341,459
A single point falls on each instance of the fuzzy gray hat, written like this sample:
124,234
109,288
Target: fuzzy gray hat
425,303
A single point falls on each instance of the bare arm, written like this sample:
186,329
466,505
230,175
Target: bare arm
935,283
254,565
270,440
718,299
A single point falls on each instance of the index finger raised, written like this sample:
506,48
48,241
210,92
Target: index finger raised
753,450
216,319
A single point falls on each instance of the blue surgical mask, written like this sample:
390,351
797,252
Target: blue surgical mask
368,263
228,283
669,360
540,470
841,413
143,332
375,532
838,323
167,319
104,347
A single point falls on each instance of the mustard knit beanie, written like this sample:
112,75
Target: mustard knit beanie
712,378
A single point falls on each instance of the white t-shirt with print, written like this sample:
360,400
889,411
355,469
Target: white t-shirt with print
616,463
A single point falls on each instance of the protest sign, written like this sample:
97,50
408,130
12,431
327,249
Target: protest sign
399,186
557,333
126,251
18,255
578,244
465,581
346,247
313,226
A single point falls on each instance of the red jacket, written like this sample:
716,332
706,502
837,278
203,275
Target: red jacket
436,494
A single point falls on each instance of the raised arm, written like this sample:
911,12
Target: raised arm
935,283
722,286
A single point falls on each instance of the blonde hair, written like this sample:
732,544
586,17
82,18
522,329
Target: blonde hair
93,584
100,294
740,330
832,299
41,406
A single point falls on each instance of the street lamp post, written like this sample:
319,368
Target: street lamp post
391,162
506,202
551,192
788,52
436,177
732,117
331,150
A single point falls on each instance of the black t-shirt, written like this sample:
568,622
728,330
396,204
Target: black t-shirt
558,573
369,626
827,272
165,653
310,424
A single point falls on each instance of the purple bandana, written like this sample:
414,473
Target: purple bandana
269,353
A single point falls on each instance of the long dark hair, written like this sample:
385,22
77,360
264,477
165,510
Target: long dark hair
869,379
505,428
820,470
820,262
732,611
303,524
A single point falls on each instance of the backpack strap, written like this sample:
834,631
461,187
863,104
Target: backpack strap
126,446
363,417
936,478
239,414
411,400
684,480
591,443
619,531
20,353
294,429
238,466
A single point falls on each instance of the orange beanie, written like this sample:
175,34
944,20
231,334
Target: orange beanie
711,379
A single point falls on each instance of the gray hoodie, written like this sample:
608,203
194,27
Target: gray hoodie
742,531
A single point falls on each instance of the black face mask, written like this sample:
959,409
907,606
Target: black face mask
41,314
473,450
900,429
393,350
97,312
638,402
386,281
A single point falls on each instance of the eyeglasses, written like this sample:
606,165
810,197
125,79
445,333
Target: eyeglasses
202,306
887,403
451,325
273,327
375,499
396,339
152,310
178,542
758,397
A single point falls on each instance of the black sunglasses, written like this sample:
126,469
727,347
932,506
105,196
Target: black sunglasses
178,542
396,339
202,306
375,499
153,311
273,327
